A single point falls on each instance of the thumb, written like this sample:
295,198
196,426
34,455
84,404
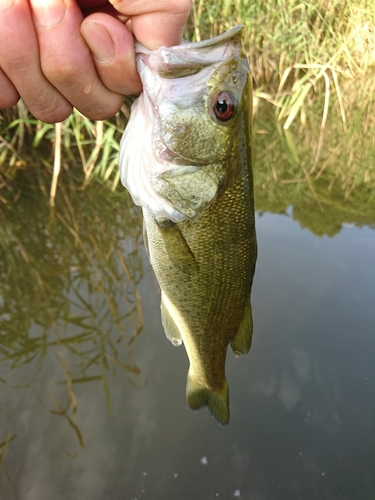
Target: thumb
155,23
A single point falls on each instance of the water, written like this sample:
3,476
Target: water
86,415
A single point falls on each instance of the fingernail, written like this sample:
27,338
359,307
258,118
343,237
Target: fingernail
48,13
5,4
99,41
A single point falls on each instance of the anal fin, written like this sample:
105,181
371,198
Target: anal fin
242,341
171,329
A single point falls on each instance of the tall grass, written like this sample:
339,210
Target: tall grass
284,33
300,52
77,142
296,49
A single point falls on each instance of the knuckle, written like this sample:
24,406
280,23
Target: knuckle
64,68
17,63
56,72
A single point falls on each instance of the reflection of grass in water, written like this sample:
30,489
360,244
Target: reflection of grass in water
340,186
69,287
4,447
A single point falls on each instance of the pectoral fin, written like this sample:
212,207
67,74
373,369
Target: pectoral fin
242,341
179,252
198,395
171,329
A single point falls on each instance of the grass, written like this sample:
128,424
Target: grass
93,145
301,53
296,49
284,33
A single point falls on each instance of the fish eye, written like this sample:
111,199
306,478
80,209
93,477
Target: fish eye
224,105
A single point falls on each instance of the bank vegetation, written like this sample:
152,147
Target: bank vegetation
312,64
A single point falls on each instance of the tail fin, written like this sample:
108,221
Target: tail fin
198,395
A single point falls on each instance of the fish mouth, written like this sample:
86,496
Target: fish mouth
190,57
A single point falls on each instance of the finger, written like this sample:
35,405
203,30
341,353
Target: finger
67,63
112,47
156,23
19,61
8,92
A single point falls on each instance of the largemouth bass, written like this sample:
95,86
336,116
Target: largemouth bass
185,157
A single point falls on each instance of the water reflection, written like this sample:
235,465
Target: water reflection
338,189
69,297
91,400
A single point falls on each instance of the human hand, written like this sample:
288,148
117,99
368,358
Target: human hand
58,54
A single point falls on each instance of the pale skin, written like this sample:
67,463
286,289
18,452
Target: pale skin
60,54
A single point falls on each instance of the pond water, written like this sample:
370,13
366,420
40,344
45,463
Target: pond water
92,399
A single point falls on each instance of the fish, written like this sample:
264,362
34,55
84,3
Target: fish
186,159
